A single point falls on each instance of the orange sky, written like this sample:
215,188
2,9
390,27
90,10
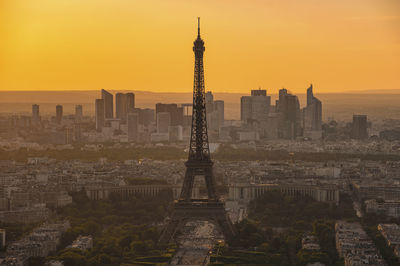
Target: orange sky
147,45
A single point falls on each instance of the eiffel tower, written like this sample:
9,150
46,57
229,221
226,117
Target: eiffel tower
198,164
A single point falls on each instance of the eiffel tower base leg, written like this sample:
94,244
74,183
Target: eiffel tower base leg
185,211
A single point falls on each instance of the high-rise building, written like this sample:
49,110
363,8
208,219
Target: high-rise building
35,114
124,104
245,108
312,113
59,114
360,125
108,104
133,126
163,122
219,107
120,106
255,108
175,112
288,108
215,112
209,102
78,112
99,110
187,114
146,116
130,102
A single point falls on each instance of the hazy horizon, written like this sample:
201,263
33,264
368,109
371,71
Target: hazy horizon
374,91
340,106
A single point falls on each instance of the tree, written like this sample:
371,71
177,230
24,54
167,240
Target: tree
36,261
72,258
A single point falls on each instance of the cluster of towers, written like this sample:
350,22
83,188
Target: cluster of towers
285,119
36,117
104,107
126,115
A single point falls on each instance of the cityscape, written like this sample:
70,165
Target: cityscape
272,177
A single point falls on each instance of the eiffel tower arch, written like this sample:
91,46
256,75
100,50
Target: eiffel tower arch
199,163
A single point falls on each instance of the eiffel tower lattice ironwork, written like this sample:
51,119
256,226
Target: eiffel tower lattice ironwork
198,164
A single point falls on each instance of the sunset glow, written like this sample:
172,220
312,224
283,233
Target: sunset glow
147,45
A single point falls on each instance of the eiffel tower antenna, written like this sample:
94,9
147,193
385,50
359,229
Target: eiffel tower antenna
198,26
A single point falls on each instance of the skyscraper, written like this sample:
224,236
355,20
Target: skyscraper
120,106
108,104
146,115
133,126
312,113
360,127
176,112
130,102
288,108
99,110
187,114
209,102
163,122
219,107
78,112
35,113
59,114
124,104
255,107
215,112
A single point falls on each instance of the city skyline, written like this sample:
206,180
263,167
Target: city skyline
123,45
99,177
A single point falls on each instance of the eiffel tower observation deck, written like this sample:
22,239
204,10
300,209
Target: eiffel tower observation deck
199,163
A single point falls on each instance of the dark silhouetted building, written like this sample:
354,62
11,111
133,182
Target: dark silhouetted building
130,98
288,108
360,125
163,122
209,102
176,113
124,104
187,114
35,114
133,126
215,112
255,108
108,104
146,116
99,113
120,105
219,107
78,112
312,113
59,114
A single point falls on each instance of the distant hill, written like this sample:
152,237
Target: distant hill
395,91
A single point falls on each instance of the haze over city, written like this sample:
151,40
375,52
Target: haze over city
138,133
